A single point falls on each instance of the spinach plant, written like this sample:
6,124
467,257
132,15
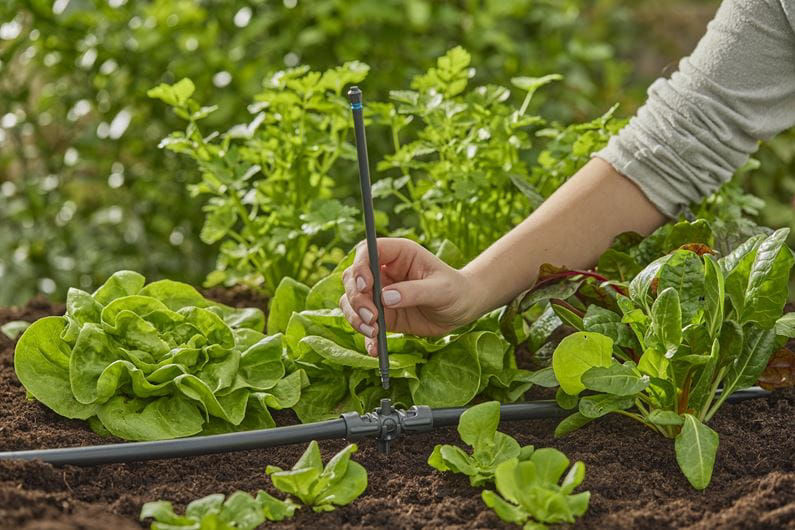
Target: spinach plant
559,301
239,511
148,362
270,181
692,331
530,492
448,371
477,428
340,482
460,161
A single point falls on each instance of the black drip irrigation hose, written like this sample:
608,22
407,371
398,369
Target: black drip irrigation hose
385,424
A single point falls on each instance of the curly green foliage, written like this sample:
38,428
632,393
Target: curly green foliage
156,361
460,154
239,511
340,482
477,428
75,75
269,182
530,492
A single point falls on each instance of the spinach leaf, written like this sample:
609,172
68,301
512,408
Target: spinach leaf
696,446
667,320
576,354
684,273
766,292
785,326
617,379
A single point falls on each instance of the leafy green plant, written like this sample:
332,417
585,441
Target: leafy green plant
148,362
269,181
561,299
477,428
530,492
461,154
692,331
527,479
14,328
449,371
239,511
340,482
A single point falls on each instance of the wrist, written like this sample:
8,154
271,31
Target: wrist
476,294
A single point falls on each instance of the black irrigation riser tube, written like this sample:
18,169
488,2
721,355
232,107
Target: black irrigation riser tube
385,424
355,98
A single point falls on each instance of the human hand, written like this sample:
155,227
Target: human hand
421,294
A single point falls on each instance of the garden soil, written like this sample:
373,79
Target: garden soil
631,471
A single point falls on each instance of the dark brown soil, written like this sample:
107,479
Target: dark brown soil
631,472
237,297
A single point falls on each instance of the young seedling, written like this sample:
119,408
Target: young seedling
478,429
339,483
526,479
530,492
240,511
701,328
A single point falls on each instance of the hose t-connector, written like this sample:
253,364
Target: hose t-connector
387,423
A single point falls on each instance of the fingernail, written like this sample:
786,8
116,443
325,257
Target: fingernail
360,283
366,314
367,330
391,297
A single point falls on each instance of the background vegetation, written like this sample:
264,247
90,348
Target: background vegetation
84,191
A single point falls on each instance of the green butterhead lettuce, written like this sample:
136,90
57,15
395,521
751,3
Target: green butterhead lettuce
156,361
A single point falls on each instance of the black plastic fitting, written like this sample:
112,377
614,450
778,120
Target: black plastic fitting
386,423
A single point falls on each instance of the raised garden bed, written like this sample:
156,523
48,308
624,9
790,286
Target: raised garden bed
631,472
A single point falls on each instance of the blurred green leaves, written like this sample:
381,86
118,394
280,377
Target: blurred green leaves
83,191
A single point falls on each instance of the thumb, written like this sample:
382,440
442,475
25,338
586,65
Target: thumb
430,292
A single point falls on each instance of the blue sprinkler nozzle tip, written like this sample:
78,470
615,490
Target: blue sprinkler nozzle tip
355,97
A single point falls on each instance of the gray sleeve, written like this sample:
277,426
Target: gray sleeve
696,129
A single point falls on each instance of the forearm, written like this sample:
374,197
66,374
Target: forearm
572,228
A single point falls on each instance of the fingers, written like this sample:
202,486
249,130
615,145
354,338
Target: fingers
431,292
372,346
357,277
357,304
396,253
362,320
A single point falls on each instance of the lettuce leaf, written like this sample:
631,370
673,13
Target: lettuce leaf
445,372
156,361
340,482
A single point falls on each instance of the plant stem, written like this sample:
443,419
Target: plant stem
725,394
712,392
638,417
